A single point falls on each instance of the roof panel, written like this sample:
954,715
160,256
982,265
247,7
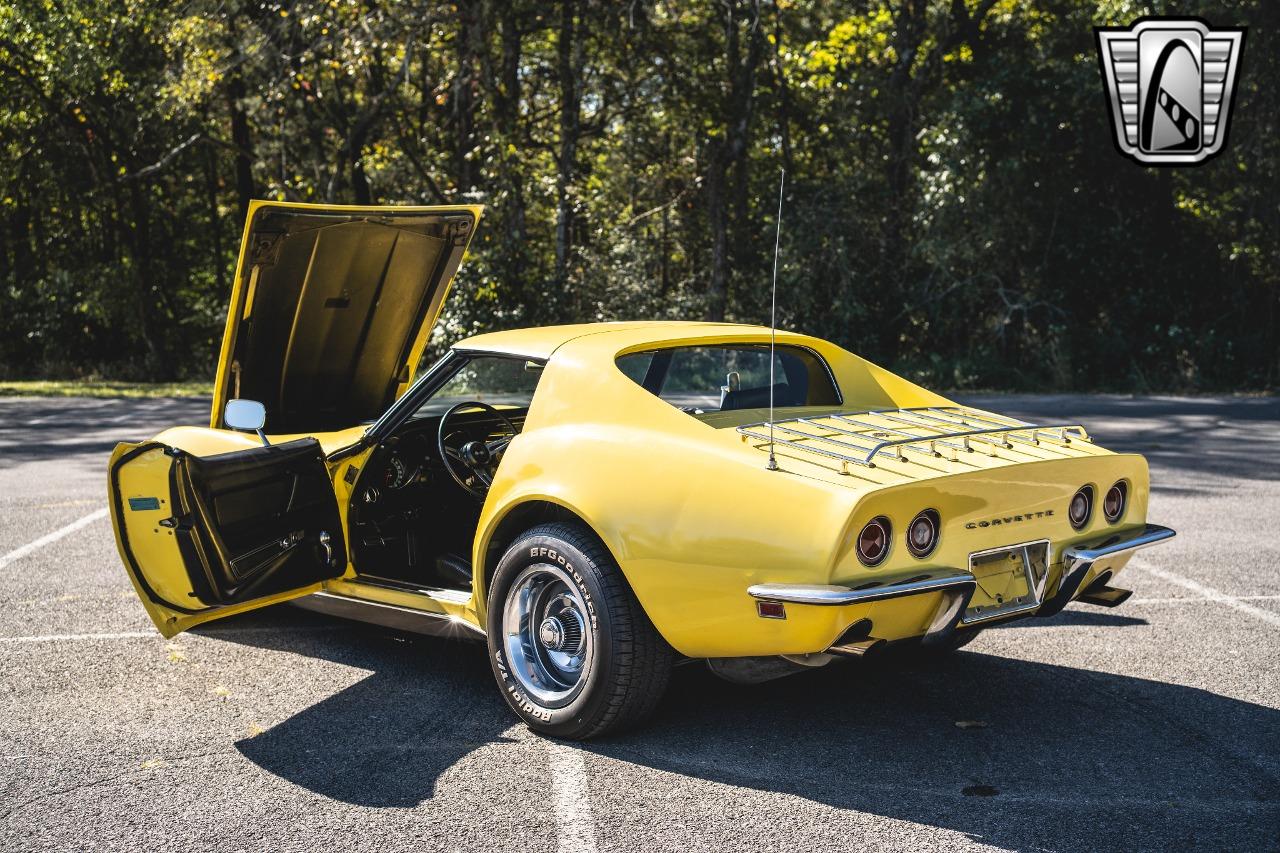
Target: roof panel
540,342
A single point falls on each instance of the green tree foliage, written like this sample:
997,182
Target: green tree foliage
956,208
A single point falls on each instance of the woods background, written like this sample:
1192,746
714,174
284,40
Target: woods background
956,208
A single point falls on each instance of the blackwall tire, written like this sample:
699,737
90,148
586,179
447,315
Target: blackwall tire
574,654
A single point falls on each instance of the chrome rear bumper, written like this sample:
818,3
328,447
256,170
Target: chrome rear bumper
931,580
958,585
957,588
1079,559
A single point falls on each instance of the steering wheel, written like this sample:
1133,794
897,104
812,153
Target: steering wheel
473,460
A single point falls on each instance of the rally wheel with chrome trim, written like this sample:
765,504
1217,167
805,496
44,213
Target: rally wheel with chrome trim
574,653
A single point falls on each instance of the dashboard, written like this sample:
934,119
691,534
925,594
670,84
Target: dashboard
412,456
407,511
405,462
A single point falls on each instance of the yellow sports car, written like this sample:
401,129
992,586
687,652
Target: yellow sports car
596,502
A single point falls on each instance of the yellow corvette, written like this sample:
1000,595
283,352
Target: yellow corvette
594,501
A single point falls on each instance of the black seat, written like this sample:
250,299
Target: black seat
454,571
757,398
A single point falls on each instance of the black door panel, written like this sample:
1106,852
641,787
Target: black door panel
258,522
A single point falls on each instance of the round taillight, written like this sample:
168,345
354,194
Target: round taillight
922,533
1081,507
1113,503
873,541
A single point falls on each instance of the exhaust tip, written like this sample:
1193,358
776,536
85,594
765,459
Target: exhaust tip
856,641
858,649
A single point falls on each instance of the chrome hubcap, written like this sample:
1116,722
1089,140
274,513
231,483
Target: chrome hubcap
552,634
546,636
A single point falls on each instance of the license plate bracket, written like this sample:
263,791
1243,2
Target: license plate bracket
1010,580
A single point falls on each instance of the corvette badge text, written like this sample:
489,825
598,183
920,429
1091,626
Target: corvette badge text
1170,85
1008,519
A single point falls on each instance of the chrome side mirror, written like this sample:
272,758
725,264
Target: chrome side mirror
247,416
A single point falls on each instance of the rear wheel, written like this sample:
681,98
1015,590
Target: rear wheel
573,652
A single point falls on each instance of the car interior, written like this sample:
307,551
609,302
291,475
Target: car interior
706,380
416,504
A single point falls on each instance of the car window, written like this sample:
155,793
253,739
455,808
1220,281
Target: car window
636,365
500,382
732,377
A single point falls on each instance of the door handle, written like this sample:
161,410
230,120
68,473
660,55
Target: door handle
326,542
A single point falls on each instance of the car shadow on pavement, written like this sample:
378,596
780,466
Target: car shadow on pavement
1013,753
1072,617
385,740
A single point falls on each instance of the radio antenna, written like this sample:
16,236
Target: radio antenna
773,316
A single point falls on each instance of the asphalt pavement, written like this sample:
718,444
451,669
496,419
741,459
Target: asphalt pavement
1155,725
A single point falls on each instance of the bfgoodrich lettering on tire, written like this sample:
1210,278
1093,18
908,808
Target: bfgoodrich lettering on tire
573,652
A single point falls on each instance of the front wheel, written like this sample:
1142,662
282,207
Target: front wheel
573,652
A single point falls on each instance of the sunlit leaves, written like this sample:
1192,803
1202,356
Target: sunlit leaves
859,41
955,206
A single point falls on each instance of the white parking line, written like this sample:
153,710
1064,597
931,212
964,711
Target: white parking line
1211,594
62,638
19,553
575,827
1197,599
142,635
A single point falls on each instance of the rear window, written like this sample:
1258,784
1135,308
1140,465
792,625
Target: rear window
732,377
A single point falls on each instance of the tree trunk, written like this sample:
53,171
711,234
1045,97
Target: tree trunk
463,96
894,273
507,114
215,224
148,290
569,58
731,150
716,215
242,141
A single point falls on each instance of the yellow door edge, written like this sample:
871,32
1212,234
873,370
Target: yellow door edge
161,552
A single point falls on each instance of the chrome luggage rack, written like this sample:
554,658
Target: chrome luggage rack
855,437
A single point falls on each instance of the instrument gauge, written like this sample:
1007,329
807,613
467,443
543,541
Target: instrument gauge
396,473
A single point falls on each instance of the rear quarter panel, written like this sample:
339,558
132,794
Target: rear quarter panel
689,531
694,518
690,525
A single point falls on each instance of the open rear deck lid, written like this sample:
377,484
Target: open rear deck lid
332,307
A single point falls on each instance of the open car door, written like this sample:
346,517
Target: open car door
208,537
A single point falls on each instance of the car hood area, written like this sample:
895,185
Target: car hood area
332,307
